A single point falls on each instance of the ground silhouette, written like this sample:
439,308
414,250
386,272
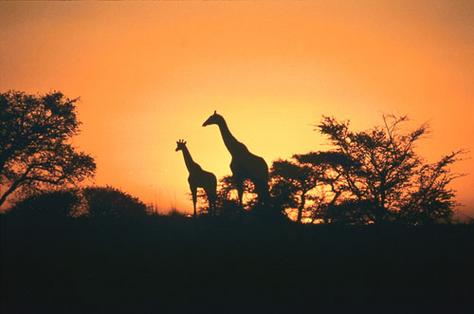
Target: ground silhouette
244,164
158,264
199,178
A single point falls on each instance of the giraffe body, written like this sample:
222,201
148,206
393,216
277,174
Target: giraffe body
244,164
199,178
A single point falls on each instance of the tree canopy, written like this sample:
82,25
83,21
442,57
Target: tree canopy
368,176
35,147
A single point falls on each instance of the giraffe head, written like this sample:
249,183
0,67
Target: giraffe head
215,118
180,145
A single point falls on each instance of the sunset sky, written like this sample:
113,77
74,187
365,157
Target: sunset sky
149,73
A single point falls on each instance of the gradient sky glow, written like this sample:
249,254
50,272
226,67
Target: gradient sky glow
151,73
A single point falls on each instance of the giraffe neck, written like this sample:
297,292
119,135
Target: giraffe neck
188,160
233,146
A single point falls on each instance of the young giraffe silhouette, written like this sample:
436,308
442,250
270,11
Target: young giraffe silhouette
244,164
199,178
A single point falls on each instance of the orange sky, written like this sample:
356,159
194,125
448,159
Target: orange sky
151,73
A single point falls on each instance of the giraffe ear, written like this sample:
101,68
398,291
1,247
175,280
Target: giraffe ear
215,112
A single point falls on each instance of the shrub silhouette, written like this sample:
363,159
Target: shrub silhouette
112,203
97,202
346,212
50,205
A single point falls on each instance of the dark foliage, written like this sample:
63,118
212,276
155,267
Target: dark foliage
95,202
384,170
291,182
370,176
110,202
227,204
47,206
35,151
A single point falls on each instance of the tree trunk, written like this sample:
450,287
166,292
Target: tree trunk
9,191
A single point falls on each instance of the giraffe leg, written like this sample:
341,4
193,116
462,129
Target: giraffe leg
212,204
262,191
194,193
240,191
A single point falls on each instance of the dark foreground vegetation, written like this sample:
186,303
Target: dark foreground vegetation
156,264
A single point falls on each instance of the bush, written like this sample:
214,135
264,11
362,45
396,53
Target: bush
47,205
113,203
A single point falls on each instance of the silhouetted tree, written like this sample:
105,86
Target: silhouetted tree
226,204
381,168
333,191
47,206
35,151
430,199
112,203
291,182
227,197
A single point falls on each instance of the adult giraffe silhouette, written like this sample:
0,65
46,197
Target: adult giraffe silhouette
244,164
199,178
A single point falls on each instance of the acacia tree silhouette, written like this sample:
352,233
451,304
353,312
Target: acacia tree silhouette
244,164
35,148
228,204
370,177
384,175
331,198
308,177
291,182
